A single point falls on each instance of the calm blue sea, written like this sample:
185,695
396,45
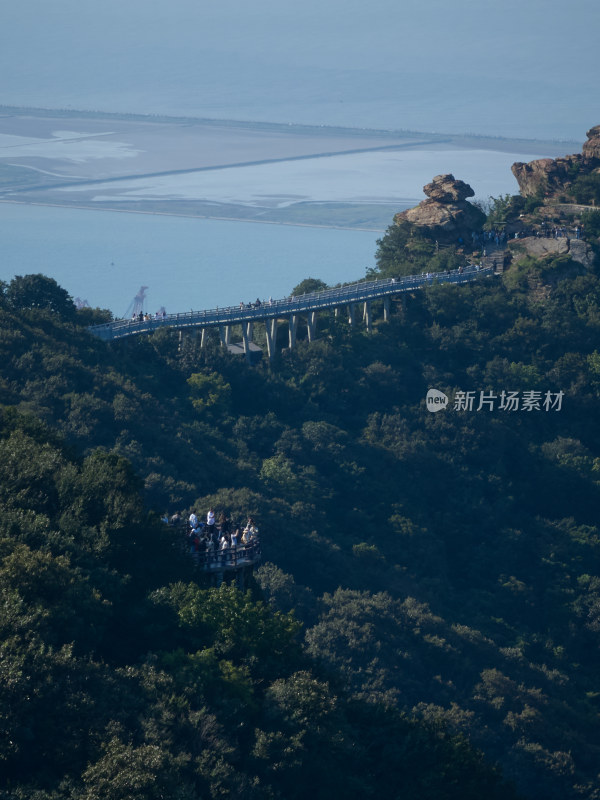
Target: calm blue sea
104,257
509,68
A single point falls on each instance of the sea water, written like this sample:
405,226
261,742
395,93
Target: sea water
105,257
508,68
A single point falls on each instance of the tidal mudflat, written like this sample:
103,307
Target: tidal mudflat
235,170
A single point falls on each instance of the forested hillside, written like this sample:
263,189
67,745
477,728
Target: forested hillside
432,580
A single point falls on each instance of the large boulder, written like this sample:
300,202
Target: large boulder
446,189
445,214
540,247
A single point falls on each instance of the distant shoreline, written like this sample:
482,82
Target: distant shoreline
501,143
81,207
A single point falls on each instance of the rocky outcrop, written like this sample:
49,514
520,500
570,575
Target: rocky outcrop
591,149
546,175
446,189
550,176
582,252
540,247
446,213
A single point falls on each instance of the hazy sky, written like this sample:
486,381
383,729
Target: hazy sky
515,68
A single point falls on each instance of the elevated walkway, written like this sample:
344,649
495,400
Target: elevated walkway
289,308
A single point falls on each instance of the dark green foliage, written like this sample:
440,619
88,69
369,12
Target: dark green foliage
465,545
309,285
507,208
38,292
113,688
408,250
93,316
586,189
501,210
591,223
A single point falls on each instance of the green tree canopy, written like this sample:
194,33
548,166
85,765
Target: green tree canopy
40,292
309,285
586,189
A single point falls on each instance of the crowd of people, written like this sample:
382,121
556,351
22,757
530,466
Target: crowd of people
217,540
141,317
544,230
256,304
495,237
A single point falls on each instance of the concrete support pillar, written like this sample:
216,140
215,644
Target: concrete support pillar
351,309
336,311
251,331
224,334
312,327
180,341
203,338
246,337
367,314
292,331
386,308
271,334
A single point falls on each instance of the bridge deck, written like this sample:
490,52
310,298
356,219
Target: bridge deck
329,298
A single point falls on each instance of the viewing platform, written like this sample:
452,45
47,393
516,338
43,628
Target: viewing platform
229,560
220,552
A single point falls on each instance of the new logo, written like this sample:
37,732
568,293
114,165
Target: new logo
436,400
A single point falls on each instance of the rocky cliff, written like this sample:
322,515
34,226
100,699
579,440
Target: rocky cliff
591,149
549,176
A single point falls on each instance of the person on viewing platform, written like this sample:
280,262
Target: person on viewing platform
224,548
210,519
176,518
247,537
193,520
193,542
222,521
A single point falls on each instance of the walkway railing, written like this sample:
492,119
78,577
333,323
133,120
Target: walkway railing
243,555
272,309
